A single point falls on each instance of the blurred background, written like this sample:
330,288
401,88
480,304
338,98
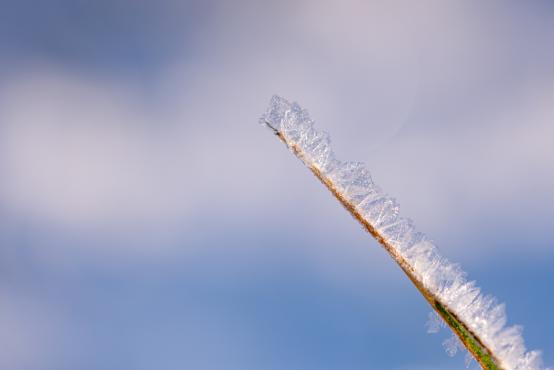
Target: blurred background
148,222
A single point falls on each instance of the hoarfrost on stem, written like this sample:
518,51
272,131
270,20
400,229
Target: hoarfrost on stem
444,280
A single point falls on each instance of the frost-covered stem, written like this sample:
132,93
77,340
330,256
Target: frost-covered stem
470,340
477,320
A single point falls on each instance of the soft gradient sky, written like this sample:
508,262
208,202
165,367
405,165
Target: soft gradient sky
147,222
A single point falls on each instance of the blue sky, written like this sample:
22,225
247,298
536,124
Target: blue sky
147,222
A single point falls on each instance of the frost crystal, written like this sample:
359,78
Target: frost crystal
444,280
468,360
434,323
452,345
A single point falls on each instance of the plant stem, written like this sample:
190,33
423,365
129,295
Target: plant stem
471,341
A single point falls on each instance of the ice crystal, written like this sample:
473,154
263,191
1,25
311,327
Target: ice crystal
468,359
275,115
452,345
434,323
444,280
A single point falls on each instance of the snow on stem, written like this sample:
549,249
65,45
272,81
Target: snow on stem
478,320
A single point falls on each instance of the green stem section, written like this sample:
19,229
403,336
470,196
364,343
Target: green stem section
480,353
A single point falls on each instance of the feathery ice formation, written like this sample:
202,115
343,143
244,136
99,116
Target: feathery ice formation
478,320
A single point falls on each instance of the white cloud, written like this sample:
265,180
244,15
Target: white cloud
94,157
